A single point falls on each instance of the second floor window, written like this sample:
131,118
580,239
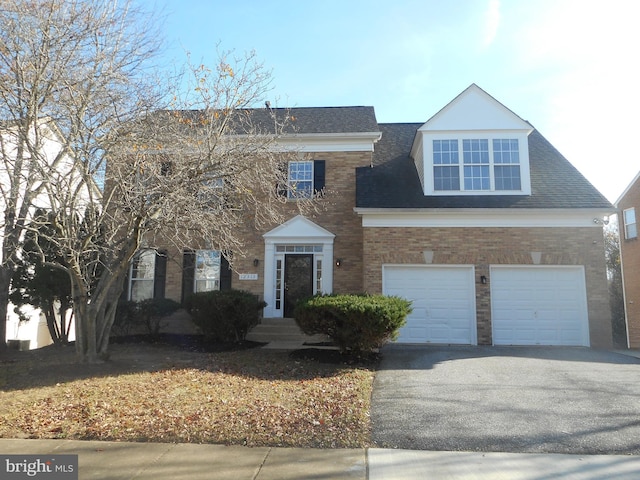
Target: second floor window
484,165
300,180
305,178
630,225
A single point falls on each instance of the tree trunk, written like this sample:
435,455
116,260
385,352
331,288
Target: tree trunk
5,282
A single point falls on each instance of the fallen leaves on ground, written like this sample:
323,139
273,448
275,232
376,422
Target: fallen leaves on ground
252,397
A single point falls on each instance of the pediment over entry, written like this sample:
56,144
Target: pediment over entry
299,227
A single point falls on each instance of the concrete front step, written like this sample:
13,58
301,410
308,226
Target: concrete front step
282,330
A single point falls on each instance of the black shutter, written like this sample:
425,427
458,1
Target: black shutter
188,273
225,273
318,175
160,275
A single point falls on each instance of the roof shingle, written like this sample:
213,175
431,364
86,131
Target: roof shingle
393,180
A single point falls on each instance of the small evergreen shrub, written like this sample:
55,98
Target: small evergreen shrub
357,324
146,313
125,320
225,315
150,313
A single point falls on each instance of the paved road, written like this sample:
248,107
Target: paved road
507,399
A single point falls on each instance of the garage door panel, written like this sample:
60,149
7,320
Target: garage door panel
539,306
443,303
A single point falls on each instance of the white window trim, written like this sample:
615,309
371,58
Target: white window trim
632,210
290,190
205,279
133,280
523,147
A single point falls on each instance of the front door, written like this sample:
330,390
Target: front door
298,280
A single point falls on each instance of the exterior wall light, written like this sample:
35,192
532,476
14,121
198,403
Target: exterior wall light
483,279
256,262
338,262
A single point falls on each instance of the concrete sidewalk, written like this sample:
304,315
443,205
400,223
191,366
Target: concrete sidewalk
155,461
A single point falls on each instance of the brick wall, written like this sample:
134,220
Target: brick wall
630,250
335,214
483,247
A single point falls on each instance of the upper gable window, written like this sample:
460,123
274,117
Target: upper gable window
630,225
486,165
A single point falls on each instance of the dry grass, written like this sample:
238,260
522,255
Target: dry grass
161,393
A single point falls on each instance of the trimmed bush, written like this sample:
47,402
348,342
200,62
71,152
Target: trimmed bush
225,315
150,313
147,313
357,324
125,320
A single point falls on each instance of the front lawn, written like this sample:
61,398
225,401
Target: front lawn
162,393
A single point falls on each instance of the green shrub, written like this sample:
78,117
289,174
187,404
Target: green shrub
126,316
357,324
146,313
225,315
150,313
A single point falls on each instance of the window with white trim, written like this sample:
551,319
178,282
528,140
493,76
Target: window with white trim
142,275
207,271
300,179
630,225
488,164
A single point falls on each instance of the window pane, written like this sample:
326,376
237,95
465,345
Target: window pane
506,151
446,178
476,177
445,152
141,290
630,225
142,275
476,151
300,182
507,177
207,271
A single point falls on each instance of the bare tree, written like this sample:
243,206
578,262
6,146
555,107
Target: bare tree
71,71
205,167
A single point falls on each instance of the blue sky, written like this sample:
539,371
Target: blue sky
568,67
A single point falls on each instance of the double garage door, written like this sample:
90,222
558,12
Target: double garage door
530,305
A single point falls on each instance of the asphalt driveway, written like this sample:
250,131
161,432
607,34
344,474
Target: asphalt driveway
507,399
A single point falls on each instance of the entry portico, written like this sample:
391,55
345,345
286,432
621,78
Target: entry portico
298,262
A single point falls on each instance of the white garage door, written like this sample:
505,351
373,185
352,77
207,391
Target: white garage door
443,302
539,306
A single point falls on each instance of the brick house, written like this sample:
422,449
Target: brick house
628,204
473,215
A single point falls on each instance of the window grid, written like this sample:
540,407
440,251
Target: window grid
207,271
299,248
446,172
485,165
630,225
278,284
476,164
300,181
318,275
142,276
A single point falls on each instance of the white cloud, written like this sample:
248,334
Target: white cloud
491,23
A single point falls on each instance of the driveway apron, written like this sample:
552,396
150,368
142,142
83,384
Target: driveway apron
507,399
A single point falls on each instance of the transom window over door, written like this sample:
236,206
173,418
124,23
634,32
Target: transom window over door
487,165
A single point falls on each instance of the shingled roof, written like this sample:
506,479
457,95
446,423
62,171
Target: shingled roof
392,181
302,121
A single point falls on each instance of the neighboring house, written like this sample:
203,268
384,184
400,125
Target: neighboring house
61,169
473,215
629,207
